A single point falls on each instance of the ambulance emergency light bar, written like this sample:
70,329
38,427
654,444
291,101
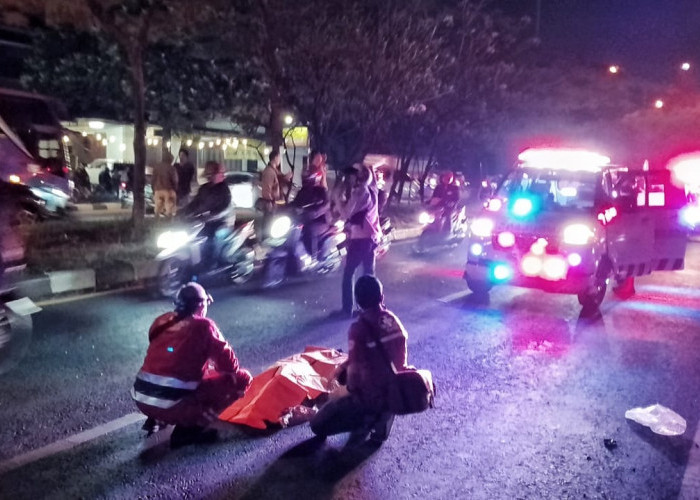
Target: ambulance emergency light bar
563,159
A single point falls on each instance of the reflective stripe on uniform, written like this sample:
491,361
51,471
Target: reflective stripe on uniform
153,401
166,381
386,339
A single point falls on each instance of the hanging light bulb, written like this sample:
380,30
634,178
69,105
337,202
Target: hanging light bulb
200,145
84,134
189,142
167,144
211,144
98,137
235,142
104,142
66,139
149,142
218,142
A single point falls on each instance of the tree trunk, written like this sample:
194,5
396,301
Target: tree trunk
135,58
426,173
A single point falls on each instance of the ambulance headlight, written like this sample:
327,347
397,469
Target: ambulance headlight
172,239
280,227
578,234
690,216
482,227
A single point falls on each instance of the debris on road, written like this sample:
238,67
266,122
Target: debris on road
610,444
659,419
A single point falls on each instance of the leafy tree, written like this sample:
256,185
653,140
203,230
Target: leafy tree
133,25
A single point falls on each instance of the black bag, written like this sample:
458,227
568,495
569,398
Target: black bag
409,391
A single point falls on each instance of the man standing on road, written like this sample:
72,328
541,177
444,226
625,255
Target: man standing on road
271,184
360,210
185,174
363,411
164,183
190,373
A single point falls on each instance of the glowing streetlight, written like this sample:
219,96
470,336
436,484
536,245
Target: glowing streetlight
685,66
659,104
288,120
614,69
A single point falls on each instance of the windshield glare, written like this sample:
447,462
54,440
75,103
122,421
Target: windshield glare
556,189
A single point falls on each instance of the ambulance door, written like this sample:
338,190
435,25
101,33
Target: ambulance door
631,232
665,200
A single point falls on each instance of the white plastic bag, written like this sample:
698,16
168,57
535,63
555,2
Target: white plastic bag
659,419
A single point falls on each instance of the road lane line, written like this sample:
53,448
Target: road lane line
69,442
691,479
453,296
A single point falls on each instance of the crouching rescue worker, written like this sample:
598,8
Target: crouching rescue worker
363,411
190,373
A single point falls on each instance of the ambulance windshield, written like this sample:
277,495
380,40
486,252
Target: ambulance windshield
554,189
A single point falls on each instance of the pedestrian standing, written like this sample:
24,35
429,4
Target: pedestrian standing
271,184
363,411
185,175
164,184
360,210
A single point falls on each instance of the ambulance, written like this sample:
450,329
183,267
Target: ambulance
567,221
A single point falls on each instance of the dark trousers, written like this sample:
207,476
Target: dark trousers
360,251
311,235
348,414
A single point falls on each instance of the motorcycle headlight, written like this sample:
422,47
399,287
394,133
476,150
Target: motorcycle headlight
482,227
578,234
172,239
426,218
280,227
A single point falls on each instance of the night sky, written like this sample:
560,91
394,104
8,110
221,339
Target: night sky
646,37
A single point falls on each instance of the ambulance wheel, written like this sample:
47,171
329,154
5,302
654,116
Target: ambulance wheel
593,297
478,287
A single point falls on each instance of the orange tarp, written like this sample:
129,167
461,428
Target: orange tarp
286,384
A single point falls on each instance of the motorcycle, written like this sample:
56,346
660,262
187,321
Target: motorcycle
435,234
181,256
287,254
385,236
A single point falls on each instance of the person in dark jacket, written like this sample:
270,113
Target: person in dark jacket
213,203
445,196
190,373
313,199
185,175
363,411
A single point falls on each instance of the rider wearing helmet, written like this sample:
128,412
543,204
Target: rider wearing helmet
313,199
446,197
213,203
190,372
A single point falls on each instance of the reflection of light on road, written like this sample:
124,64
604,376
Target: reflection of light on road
671,290
664,309
443,272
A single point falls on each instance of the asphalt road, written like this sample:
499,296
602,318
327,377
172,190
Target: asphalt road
527,392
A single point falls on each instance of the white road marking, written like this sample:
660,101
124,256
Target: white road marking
690,488
69,442
453,296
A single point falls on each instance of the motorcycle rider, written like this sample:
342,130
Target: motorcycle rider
213,201
446,197
313,199
190,373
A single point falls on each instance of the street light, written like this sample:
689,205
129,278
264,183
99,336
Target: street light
288,120
659,104
685,66
614,69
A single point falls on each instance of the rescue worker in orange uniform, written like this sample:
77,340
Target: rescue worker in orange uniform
190,373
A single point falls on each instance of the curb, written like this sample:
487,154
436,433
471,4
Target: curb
120,275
